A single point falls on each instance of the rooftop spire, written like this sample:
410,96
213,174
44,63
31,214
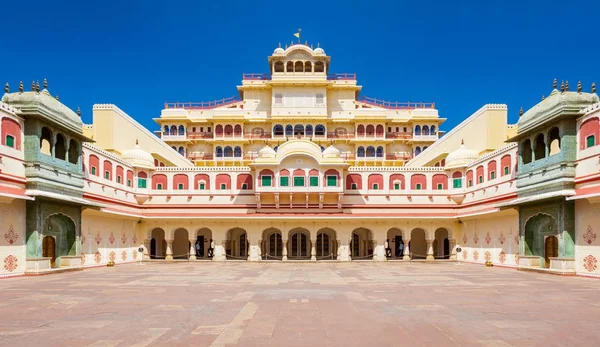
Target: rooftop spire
521,112
78,111
462,141
554,84
37,86
6,88
543,97
593,87
137,142
33,86
567,86
579,87
20,86
56,97
45,84
562,86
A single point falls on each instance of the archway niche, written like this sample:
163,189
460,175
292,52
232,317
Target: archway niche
418,245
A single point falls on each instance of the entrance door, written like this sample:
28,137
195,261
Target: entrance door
243,245
355,246
153,248
49,249
275,245
322,245
550,249
200,249
399,246
299,249
446,249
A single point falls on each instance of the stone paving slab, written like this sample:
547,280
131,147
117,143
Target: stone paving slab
315,304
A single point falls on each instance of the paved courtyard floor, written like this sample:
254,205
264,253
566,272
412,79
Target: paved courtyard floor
299,304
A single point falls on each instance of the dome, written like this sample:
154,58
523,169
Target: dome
138,157
266,152
278,50
461,157
319,50
331,152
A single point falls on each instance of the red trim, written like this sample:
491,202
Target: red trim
12,190
588,178
12,178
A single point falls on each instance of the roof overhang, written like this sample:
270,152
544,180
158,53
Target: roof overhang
565,193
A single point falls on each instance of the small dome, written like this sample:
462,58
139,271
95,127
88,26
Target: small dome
138,157
319,50
266,152
331,152
461,157
278,50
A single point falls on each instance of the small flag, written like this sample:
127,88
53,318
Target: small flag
298,34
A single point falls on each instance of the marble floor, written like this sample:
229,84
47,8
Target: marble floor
299,304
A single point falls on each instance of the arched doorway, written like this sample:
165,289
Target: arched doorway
441,244
181,244
203,243
538,242
418,245
326,244
361,244
159,251
61,230
395,243
237,244
299,244
550,249
49,249
272,244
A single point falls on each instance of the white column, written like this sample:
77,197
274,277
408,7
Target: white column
452,249
169,256
406,250
379,251
284,250
429,250
146,255
219,238
192,249
313,249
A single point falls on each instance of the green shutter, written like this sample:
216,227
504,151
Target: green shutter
93,170
591,141
129,183
470,183
202,186
223,186
492,175
418,186
332,181
265,181
397,186
314,181
118,179
353,186
159,186
440,186
480,179
141,183
299,181
107,175
180,186
284,181
506,170
457,183
10,141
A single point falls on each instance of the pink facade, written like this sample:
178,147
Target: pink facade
180,181
94,165
201,179
505,163
223,182
375,181
492,170
479,175
354,181
159,179
107,170
244,179
120,174
439,181
418,181
397,179
590,127
13,129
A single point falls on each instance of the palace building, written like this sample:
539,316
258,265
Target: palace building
299,166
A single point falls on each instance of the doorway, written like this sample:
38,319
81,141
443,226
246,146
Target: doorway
200,247
399,246
49,249
550,249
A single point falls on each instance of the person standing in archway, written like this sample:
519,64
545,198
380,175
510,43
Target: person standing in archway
198,249
400,252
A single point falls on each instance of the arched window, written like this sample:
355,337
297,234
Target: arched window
174,148
228,152
181,150
299,66
181,130
166,130
360,152
379,152
60,151
309,130
553,141
360,130
418,130
417,150
73,152
46,141
425,130
278,66
540,147
319,66
299,129
425,147
275,148
308,66
278,130
370,130
432,130
219,130
319,130
370,152
379,130
219,152
173,130
237,152
289,67
228,130
526,151
237,130
289,131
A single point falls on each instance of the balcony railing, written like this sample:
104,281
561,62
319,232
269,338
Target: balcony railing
202,105
257,136
341,76
256,76
200,135
340,136
396,105
399,135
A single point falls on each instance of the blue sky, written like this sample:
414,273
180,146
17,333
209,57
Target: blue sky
459,54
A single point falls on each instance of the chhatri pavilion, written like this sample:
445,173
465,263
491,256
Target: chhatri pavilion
299,166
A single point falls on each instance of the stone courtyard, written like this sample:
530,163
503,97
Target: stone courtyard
299,304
